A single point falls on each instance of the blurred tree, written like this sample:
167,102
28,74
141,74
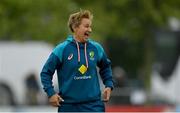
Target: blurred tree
34,20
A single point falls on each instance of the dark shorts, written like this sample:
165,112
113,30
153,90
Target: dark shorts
93,106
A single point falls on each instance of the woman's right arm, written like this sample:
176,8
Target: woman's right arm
47,74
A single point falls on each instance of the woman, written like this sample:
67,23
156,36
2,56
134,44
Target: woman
75,61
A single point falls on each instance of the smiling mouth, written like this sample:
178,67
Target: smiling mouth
87,34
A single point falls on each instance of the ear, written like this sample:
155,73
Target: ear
74,28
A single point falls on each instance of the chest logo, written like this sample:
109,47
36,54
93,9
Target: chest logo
70,56
91,54
82,69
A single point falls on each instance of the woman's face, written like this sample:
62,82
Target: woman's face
82,32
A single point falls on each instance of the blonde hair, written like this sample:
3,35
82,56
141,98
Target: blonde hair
75,18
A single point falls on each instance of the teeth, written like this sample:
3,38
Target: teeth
87,33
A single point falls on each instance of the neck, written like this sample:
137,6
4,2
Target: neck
78,39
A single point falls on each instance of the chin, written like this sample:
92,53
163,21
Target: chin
85,38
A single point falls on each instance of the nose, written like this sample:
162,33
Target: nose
90,30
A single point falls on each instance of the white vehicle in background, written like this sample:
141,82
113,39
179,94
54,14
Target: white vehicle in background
17,62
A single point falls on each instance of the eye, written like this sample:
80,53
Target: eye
87,26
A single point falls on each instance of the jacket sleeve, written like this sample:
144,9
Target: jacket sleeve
47,74
105,71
